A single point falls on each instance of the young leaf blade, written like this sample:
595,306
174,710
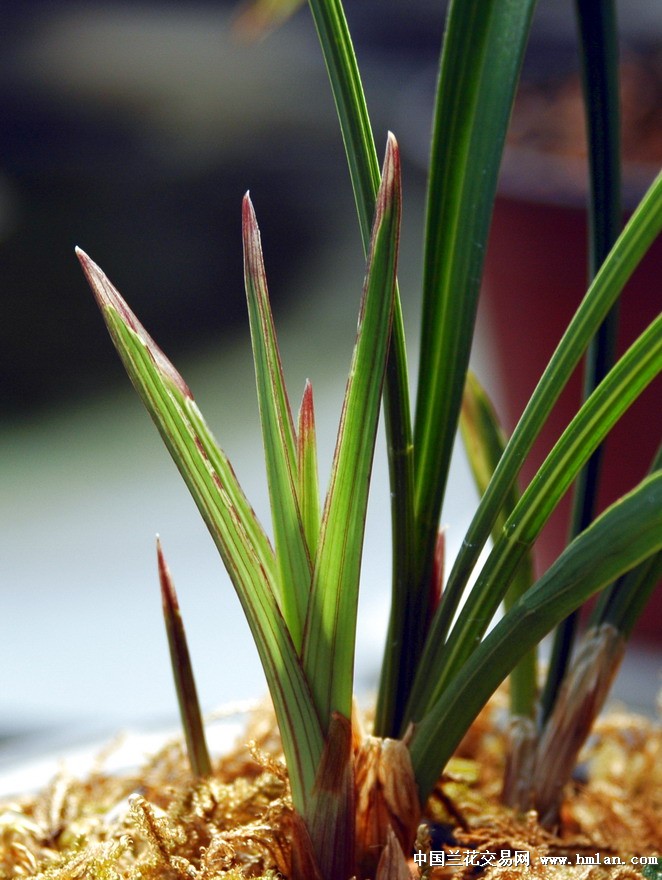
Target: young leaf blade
280,445
599,55
187,693
331,623
169,403
308,485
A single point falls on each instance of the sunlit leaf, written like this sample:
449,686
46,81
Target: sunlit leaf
631,529
280,445
331,624
228,517
629,377
308,485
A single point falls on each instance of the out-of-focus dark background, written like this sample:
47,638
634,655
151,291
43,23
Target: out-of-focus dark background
133,130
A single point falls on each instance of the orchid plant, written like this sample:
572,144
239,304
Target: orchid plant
300,592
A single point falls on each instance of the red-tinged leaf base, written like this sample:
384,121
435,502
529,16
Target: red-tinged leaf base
331,816
240,822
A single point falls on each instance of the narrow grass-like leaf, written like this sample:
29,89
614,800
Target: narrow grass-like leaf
340,60
623,536
599,54
171,406
294,565
187,693
642,229
633,372
630,595
308,485
331,623
482,435
480,62
623,603
408,620
484,441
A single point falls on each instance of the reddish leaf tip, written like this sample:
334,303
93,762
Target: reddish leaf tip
168,594
307,410
109,297
248,211
391,158
389,190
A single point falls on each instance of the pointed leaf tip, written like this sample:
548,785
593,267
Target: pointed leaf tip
109,298
307,410
253,259
391,170
187,695
389,191
248,211
168,594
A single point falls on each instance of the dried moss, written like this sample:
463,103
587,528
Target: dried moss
162,823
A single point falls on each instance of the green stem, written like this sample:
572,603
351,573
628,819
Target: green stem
484,442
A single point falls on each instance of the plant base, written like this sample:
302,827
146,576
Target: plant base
159,822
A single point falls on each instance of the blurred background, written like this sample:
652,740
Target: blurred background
133,130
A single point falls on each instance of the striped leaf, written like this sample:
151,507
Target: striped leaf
308,485
628,378
331,622
280,446
230,521
631,529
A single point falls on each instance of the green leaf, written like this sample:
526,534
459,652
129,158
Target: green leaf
484,441
407,622
624,535
280,446
187,693
631,593
642,229
231,523
599,54
340,60
633,372
331,624
625,601
308,486
480,62
653,872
